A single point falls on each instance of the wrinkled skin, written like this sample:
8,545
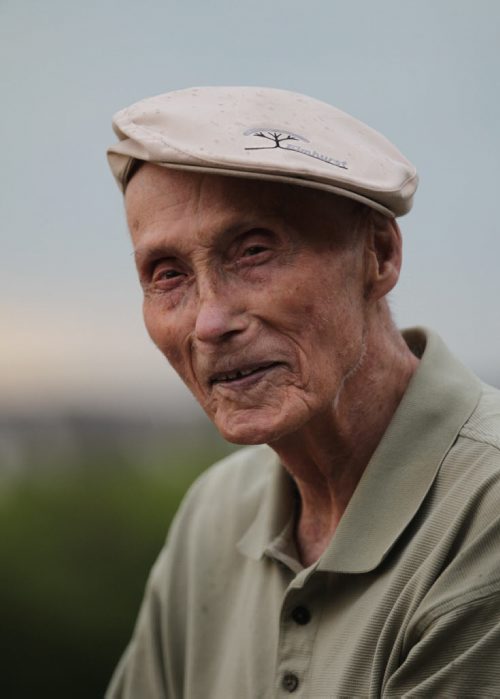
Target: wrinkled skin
241,275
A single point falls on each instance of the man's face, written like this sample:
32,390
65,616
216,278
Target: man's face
253,291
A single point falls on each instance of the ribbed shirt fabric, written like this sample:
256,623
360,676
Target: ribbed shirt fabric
404,602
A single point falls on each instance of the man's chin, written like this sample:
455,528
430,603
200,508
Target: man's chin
252,428
244,434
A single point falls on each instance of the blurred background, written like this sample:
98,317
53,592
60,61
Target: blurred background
98,438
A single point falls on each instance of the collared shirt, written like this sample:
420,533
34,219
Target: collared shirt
405,600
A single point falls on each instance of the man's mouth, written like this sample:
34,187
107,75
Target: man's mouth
242,375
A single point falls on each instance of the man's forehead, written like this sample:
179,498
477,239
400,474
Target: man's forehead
179,181
163,202
169,187
168,210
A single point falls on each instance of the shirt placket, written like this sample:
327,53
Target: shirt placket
299,621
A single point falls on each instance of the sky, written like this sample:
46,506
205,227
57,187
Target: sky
426,74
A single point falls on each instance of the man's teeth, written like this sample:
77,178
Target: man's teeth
237,374
240,373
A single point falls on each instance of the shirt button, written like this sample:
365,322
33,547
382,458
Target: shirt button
290,682
301,615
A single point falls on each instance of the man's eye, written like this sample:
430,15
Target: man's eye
168,274
254,250
166,277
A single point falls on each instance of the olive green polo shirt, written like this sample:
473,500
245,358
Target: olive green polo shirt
405,601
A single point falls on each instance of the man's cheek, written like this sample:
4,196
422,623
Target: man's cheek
153,328
173,353
164,341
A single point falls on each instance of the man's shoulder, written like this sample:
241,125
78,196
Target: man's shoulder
244,472
472,465
468,481
228,494
483,426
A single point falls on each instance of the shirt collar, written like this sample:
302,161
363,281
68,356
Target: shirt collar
274,514
439,399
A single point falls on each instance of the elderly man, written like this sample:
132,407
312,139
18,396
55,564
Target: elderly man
358,554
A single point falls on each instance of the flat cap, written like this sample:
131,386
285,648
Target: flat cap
266,134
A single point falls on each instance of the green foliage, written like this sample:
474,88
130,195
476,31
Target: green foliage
77,544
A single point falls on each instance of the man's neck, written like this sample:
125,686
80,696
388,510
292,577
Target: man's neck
327,459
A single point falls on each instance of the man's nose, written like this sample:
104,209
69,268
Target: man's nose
220,315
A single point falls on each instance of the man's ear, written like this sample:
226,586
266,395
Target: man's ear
383,255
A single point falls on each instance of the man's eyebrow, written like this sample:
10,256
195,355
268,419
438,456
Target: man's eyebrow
145,252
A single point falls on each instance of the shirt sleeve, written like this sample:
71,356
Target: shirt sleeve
153,664
142,670
457,651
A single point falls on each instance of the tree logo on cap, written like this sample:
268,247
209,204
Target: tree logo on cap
280,136
277,136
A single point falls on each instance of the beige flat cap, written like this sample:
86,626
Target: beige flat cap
266,134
